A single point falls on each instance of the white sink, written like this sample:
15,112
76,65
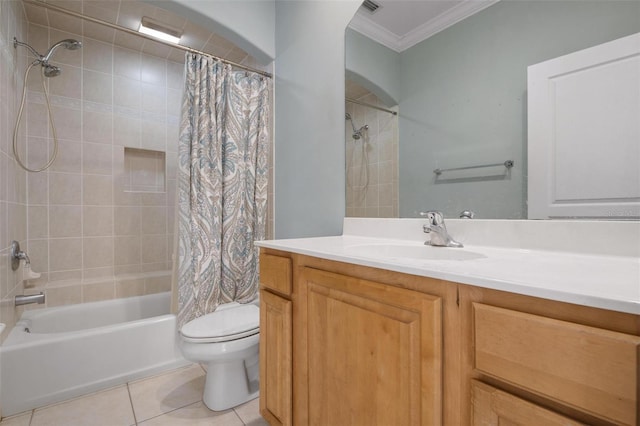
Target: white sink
417,251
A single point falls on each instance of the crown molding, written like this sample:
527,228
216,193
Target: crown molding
465,9
367,27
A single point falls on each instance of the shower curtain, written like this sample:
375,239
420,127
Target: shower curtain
222,186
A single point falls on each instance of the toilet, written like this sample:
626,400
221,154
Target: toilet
227,342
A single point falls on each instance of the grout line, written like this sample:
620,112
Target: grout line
133,410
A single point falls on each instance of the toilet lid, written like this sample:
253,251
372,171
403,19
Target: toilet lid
228,322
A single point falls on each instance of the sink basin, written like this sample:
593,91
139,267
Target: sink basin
417,251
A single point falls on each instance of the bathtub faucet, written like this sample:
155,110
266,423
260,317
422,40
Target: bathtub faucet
31,298
17,255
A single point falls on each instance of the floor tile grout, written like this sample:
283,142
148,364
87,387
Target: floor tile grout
133,410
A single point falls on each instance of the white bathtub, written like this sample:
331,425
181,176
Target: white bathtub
75,349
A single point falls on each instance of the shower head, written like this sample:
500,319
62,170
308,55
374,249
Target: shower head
68,43
51,70
357,133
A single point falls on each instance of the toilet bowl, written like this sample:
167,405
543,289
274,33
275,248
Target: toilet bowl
227,341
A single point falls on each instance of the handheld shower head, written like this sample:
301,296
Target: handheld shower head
51,70
68,43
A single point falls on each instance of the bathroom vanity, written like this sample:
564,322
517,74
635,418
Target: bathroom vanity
371,330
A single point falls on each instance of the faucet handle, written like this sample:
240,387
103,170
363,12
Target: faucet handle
435,218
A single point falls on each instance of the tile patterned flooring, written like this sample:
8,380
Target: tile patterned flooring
170,399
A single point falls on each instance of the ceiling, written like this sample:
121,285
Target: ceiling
128,13
400,24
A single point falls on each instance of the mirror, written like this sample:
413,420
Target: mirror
461,98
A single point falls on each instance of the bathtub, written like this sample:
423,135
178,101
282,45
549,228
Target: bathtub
59,353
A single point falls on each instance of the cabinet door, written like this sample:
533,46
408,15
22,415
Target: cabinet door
491,406
373,352
275,359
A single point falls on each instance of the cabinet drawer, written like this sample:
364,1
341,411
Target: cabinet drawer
491,406
587,368
275,273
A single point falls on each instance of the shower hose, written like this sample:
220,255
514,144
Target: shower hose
19,117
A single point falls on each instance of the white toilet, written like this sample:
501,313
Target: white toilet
227,341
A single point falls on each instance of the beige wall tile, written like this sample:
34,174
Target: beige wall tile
130,287
127,92
175,75
65,276
153,136
97,292
160,284
97,127
38,152
97,190
97,221
65,221
35,117
65,188
65,254
68,122
127,220
127,251
153,70
38,188
39,255
94,275
97,158
153,248
59,296
38,225
127,131
153,99
97,87
66,84
97,56
154,220
127,63
68,158
98,252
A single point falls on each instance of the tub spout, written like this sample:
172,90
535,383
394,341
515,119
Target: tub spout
31,298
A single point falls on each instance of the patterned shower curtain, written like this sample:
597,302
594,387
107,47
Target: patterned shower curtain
222,186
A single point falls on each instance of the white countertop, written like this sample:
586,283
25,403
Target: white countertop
602,281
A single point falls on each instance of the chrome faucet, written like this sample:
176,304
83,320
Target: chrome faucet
17,255
438,230
21,299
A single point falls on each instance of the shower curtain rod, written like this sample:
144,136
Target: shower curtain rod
132,32
353,101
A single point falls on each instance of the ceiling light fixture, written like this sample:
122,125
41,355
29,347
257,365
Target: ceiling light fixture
158,30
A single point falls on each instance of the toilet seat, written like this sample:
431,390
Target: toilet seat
230,321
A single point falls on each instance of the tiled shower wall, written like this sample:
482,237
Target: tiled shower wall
13,180
88,221
377,194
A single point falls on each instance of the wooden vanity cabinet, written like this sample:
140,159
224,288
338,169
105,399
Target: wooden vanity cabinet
373,352
533,361
276,343
344,344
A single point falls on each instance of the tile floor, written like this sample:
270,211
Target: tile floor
170,399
